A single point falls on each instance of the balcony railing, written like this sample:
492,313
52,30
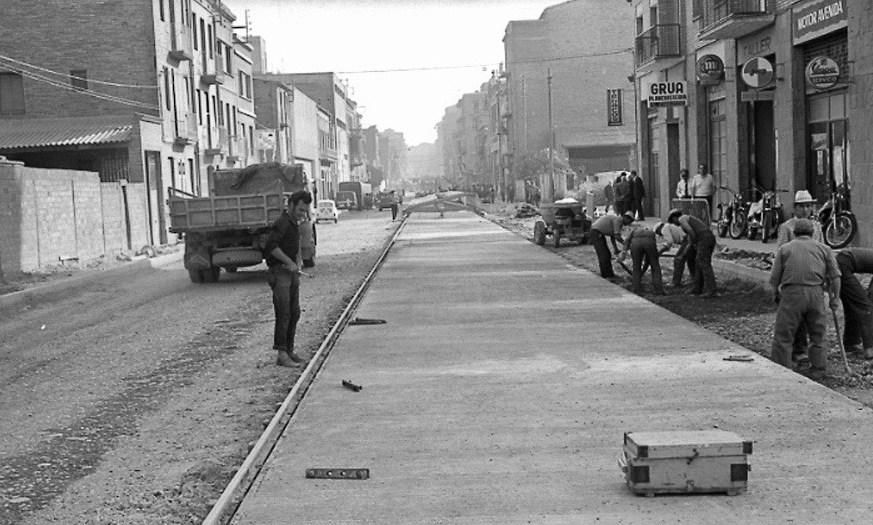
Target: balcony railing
660,41
720,19
236,149
184,129
180,42
217,141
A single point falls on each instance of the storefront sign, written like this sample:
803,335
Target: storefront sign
668,94
822,72
757,96
710,69
816,18
760,44
613,107
757,73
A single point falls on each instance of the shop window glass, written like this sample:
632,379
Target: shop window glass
838,107
818,109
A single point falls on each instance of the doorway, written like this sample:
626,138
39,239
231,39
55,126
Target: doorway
673,164
762,167
155,198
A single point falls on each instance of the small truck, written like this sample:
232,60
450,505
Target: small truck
229,228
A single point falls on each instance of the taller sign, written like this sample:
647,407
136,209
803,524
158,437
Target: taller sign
817,18
668,94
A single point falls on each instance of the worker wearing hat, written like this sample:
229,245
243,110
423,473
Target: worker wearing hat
702,239
803,208
802,269
608,226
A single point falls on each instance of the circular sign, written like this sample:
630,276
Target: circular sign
822,72
757,73
710,69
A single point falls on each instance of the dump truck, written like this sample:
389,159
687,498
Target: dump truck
229,228
363,192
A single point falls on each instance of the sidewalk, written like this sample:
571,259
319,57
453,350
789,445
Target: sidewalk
499,390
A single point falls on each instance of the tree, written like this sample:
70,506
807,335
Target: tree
536,168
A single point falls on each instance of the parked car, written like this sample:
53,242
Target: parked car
327,211
346,200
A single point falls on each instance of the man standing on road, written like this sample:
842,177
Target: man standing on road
857,302
607,226
394,205
702,239
683,188
669,235
638,193
622,194
283,247
801,270
703,186
640,243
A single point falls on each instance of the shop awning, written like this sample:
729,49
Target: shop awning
20,134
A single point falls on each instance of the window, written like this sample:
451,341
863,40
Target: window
171,6
245,85
826,131
234,120
211,41
194,32
11,94
640,25
228,60
161,9
203,36
200,107
251,138
167,95
227,108
79,78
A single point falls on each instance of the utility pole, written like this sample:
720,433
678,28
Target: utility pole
550,187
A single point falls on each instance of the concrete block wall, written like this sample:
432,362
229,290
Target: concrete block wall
137,206
113,224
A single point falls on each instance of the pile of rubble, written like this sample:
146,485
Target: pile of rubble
757,260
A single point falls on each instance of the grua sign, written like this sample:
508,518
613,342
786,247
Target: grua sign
668,94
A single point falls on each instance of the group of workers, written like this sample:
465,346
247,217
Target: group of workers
804,268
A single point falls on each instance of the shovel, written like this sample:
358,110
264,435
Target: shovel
840,339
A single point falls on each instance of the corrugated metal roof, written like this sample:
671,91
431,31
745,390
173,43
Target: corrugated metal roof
60,132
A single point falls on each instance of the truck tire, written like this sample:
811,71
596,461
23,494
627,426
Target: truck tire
196,276
210,275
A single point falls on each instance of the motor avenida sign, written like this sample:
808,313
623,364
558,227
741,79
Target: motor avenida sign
668,94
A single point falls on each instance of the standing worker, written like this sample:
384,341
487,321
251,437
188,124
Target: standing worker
857,302
283,247
703,186
801,270
394,205
638,193
669,235
622,194
607,226
701,238
640,243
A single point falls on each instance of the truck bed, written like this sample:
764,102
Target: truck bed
230,212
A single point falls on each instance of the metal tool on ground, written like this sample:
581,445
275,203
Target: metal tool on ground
351,386
623,265
338,473
740,358
362,321
840,340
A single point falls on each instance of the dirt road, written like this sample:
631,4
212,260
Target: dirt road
134,399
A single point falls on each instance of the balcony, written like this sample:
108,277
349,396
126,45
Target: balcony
217,141
726,19
657,42
184,130
180,43
212,74
236,149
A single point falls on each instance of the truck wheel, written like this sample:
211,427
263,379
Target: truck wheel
195,276
210,275
539,236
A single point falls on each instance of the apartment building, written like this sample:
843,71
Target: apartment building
274,106
305,136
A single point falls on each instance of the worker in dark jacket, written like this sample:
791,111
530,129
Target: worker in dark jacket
802,269
282,249
622,191
857,302
638,193
699,236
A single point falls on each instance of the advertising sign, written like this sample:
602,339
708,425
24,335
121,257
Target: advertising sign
710,69
613,107
816,18
757,73
668,94
822,72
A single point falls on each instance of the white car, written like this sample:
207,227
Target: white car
326,211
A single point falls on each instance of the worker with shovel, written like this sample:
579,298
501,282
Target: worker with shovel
608,226
639,241
857,302
801,270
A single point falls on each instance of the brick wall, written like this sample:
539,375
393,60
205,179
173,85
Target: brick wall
47,215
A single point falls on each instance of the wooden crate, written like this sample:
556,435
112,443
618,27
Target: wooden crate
680,462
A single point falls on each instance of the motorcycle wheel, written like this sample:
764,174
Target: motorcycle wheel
738,225
840,231
766,226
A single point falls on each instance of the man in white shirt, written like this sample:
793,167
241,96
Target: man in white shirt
668,236
683,188
703,186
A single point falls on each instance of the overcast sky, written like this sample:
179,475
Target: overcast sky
351,36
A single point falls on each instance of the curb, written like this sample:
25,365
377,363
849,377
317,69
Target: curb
742,272
87,277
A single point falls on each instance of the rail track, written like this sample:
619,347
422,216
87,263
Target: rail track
236,490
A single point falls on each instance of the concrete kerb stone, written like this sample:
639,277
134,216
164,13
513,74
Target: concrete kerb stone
61,285
739,271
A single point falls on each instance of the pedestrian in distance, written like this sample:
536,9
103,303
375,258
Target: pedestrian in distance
283,252
609,195
607,226
802,269
803,208
638,193
394,205
703,186
683,188
857,302
640,243
700,236
670,235
622,194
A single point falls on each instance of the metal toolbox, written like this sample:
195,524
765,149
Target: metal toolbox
682,462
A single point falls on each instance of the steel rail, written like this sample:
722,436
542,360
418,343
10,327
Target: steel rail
235,491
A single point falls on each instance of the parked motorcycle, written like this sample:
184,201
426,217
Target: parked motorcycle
732,216
766,215
839,224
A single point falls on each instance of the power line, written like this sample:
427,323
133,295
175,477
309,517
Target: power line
65,75
87,92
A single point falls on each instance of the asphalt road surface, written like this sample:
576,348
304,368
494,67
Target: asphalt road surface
133,399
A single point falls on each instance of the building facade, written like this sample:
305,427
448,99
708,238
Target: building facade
274,106
567,85
305,135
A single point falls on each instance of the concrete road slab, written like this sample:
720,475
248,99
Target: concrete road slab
499,389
